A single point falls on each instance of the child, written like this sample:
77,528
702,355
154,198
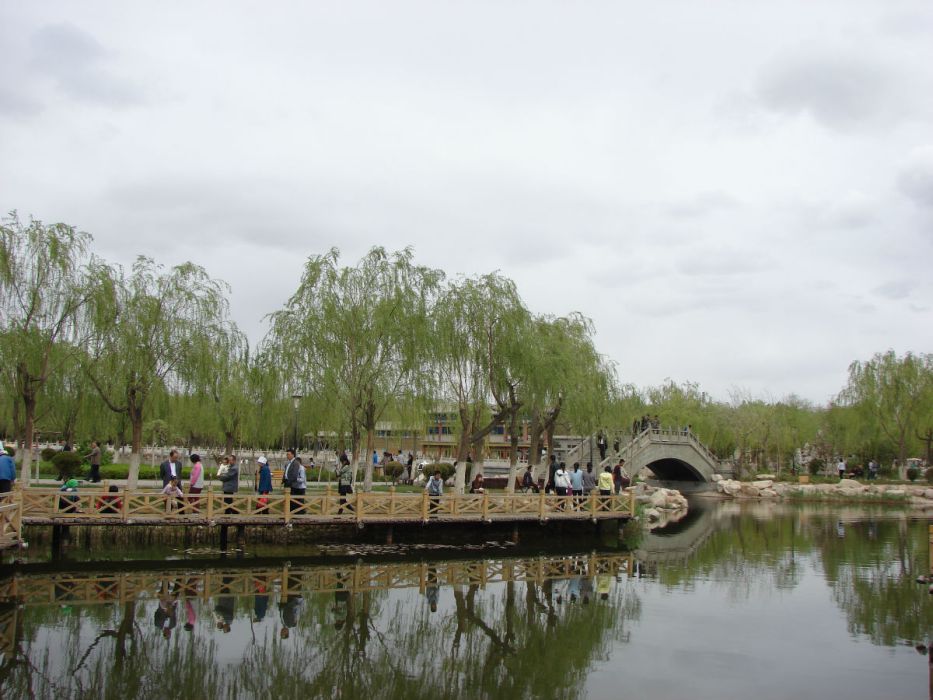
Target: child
172,494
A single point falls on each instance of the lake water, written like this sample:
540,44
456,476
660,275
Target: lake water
736,601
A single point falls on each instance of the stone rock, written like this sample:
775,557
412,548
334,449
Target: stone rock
768,493
848,484
716,478
643,499
658,499
895,493
848,492
928,493
731,487
749,491
763,477
763,483
653,514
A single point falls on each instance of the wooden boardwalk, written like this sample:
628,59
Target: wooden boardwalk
38,506
10,521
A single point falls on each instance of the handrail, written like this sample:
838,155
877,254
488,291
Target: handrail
139,506
11,523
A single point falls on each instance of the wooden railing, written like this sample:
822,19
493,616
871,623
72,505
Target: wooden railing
88,588
88,507
11,525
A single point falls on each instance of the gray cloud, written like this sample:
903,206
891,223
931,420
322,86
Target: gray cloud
894,290
838,89
79,66
915,179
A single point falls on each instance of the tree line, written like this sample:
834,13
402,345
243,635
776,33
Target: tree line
90,348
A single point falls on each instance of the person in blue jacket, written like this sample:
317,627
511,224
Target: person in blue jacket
7,471
264,483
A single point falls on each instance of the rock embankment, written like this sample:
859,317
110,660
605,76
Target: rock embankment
916,496
660,502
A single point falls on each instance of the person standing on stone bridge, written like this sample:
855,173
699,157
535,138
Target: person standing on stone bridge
601,445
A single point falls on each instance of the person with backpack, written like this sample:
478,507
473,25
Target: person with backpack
294,478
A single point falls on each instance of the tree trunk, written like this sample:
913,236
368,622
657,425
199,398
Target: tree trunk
463,448
29,426
228,442
370,446
513,453
136,421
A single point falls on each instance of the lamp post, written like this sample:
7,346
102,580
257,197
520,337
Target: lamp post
296,400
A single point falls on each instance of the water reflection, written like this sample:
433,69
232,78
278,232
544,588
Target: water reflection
723,589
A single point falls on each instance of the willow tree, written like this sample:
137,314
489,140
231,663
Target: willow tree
568,380
151,334
893,393
46,286
356,336
478,328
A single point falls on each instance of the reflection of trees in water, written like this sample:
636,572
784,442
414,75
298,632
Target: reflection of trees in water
871,569
870,564
507,640
751,557
510,640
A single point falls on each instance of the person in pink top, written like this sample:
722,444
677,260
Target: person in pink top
195,482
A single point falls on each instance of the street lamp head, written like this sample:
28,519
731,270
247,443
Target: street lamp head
296,400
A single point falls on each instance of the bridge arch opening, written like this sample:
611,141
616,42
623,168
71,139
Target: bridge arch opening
674,470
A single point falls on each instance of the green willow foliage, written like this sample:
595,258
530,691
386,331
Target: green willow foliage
91,351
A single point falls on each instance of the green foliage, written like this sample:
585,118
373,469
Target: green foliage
10,450
68,464
48,453
815,466
913,473
929,475
394,470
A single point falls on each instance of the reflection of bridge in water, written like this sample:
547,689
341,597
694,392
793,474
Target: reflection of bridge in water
109,587
679,540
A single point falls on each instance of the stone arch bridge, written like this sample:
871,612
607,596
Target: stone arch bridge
672,454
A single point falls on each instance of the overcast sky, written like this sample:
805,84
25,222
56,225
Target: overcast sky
738,193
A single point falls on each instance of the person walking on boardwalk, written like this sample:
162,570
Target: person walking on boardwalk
264,483
195,482
589,480
344,481
7,471
94,458
576,484
605,482
230,478
295,479
170,468
619,477
561,484
435,489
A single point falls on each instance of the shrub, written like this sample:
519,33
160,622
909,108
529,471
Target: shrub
48,454
68,464
10,450
815,466
106,456
913,473
394,470
445,468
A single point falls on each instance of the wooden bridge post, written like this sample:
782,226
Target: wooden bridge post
125,504
210,504
485,506
631,503
360,500
288,507
541,498
424,505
